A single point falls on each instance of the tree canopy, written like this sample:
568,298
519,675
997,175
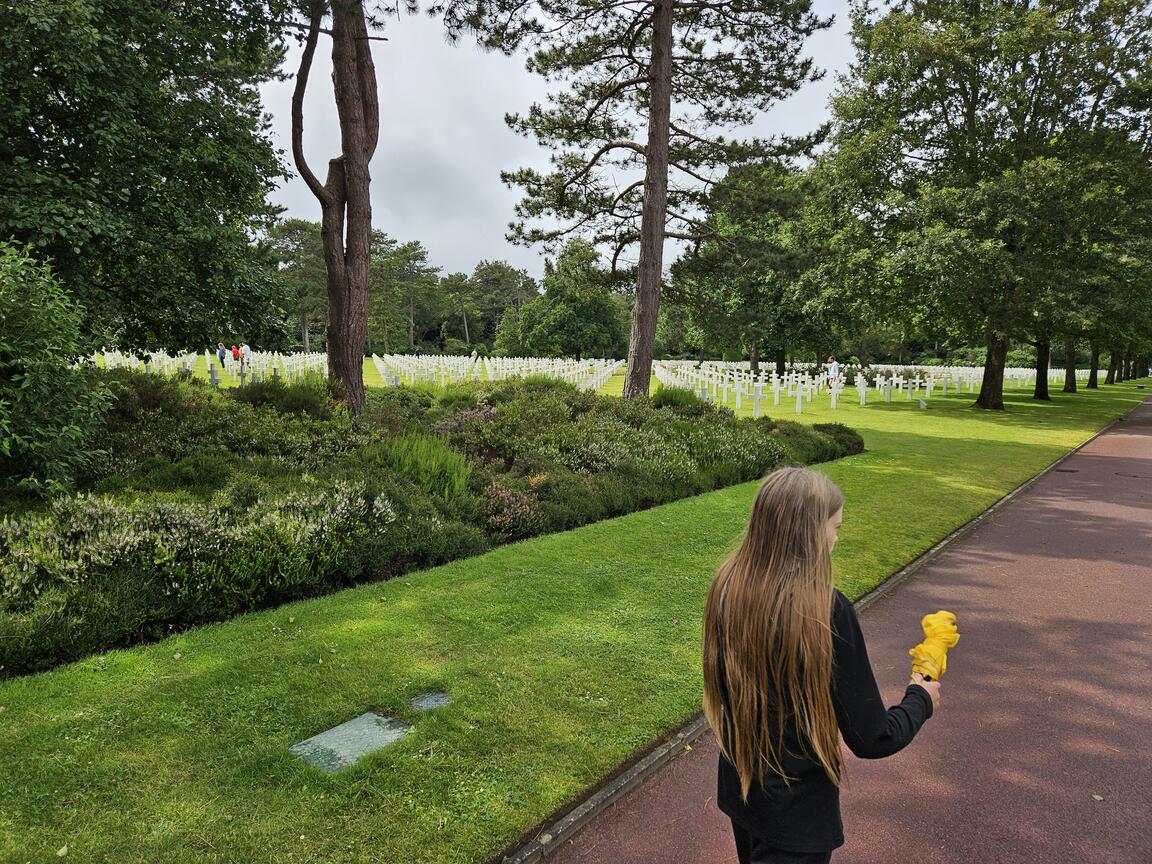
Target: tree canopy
135,157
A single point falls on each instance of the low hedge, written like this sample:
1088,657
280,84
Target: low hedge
804,445
850,441
210,504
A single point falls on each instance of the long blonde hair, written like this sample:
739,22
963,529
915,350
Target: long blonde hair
767,629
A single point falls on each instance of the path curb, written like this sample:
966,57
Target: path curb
553,834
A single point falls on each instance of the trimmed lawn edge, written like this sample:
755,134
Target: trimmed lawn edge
539,842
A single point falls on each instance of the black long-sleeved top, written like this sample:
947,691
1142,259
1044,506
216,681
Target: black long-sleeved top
804,816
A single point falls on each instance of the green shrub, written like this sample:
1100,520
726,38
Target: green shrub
677,396
848,438
219,505
93,573
511,513
434,466
49,410
308,394
153,417
804,445
396,409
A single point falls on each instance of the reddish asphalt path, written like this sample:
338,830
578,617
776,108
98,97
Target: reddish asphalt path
1046,703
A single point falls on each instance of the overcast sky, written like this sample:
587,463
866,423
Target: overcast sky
443,140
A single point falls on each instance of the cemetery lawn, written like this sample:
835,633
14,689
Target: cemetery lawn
563,655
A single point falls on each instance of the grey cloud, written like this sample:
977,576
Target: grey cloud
443,141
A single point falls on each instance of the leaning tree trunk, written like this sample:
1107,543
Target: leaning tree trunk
346,208
1043,358
992,386
1093,370
1110,378
1070,364
652,219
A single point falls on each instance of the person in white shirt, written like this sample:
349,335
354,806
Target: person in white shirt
833,371
244,352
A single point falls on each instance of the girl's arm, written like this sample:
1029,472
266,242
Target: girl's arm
870,730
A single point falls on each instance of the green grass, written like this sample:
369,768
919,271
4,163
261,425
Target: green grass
563,655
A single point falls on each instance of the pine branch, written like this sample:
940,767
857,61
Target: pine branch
611,145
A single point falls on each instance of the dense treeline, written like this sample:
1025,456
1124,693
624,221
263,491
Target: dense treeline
982,193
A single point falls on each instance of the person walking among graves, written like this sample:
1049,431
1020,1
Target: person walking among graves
786,673
236,353
245,351
833,372
221,353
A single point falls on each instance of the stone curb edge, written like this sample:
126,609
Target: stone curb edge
554,833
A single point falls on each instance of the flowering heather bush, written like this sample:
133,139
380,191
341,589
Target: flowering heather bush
94,572
510,514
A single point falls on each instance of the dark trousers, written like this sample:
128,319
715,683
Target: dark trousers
752,850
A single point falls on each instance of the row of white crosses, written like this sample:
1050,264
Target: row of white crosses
152,362
726,383
396,369
730,382
259,365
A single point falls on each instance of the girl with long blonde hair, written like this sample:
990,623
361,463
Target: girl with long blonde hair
786,673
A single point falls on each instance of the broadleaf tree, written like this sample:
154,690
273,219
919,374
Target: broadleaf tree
135,158
948,111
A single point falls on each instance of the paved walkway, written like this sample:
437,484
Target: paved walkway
1047,701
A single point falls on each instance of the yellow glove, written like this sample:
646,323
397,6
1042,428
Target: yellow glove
930,657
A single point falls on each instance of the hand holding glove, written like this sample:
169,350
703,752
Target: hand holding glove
930,657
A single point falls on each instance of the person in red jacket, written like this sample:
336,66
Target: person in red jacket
236,353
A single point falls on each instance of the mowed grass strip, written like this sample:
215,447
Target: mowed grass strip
562,654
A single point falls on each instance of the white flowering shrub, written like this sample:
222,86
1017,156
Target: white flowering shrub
94,572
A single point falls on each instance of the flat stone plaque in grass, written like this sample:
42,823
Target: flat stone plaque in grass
428,701
341,746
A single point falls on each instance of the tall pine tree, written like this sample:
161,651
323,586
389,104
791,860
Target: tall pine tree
648,89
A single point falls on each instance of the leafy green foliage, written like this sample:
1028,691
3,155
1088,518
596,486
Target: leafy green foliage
730,60
578,316
436,468
991,170
48,408
134,156
740,286
850,441
310,395
210,503
804,445
675,396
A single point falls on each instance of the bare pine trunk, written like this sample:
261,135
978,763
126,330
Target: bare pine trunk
1043,358
754,360
1070,364
1110,378
992,386
647,306
1093,371
467,340
781,362
304,332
